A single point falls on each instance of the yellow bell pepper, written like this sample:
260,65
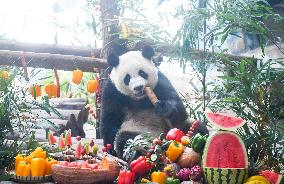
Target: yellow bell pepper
29,158
23,169
18,158
159,177
39,153
174,151
48,163
37,166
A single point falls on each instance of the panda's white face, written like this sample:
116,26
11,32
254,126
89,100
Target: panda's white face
133,74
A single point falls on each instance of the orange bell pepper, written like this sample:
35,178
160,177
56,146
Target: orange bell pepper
23,169
35,90
174,151
48,163
37,166
159,177
92,86
18,158
77,76
51,90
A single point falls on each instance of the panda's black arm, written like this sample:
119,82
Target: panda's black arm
111,114
170,105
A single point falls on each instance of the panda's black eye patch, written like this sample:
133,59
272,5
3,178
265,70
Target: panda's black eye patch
126,79
143,74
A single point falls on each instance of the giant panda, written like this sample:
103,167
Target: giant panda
126,111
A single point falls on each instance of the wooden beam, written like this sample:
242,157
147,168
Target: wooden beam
50,48
51,61
193,54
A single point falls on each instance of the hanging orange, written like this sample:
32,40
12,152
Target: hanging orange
51,90
77,76
35,90
92,86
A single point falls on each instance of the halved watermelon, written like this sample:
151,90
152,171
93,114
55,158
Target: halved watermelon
51,138
225,159
273,177
224,122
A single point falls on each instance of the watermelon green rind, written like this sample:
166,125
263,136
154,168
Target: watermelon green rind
228,176
279,179
224,122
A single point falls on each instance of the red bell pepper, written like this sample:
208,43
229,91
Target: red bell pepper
175,134
126,177
140,166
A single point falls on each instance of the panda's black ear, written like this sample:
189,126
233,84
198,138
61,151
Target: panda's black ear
113,60
148,52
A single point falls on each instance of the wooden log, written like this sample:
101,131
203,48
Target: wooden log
50,48
167,49
68,103
43,114
51,61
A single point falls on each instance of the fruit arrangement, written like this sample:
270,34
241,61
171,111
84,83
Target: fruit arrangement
83,172
79,165
35,164
178,156
170,159
66,150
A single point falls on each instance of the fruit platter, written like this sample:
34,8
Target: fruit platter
179,157
172,158
86,166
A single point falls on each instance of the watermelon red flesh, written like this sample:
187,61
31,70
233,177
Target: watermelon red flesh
225,150
273,177
224,122
68,138
51,138
61,142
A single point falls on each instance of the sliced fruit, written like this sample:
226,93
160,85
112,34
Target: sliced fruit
61,142
68,138
51,138
79,148
273,177
224,122
225,159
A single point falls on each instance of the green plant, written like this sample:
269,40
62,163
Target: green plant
15,115
256,94
253,93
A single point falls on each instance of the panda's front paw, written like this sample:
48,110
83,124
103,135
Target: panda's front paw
164,108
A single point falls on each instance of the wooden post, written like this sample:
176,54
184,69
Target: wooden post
110,21
110,30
